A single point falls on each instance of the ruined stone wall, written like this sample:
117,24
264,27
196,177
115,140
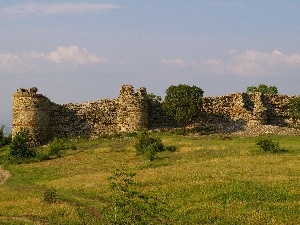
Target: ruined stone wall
132,111
231,113
45,119
31,111
235,111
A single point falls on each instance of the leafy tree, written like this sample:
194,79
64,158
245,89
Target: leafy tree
152,96
183,102
263,89
294,108
19,147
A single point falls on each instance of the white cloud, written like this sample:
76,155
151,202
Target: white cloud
56,8
10,62
248,63
39,62
174,62
73,54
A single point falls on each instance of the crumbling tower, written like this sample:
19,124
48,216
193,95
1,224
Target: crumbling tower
31,112
132,111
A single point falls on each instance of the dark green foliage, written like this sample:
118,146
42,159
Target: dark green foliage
153,97
183,103
4,140
294,108
148,145
50,196
263,89
57,145
130,205
171,148
268,145
19,147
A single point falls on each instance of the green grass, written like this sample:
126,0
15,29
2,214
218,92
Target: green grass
209,180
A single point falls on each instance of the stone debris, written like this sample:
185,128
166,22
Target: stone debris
267,129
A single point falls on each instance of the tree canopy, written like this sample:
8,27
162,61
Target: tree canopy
263,89
183,102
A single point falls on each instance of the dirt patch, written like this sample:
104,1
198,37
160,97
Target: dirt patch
4,175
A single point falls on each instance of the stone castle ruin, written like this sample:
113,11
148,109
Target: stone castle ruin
132,111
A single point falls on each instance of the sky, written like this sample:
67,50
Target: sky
78,51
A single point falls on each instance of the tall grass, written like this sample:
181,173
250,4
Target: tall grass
209,180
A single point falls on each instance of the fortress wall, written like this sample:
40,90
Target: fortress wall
45,119
90,118
132,111
30,111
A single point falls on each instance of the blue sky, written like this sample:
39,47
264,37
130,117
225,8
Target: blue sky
76,51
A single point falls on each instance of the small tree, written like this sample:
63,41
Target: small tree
183,102
294,108
19,147
130,205
263,89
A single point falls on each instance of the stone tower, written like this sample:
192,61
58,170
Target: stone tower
31,111
132,111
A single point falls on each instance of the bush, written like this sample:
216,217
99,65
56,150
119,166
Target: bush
131,206
50,196
57,145
148,145
268,145
19,147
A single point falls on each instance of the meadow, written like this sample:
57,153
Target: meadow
210,179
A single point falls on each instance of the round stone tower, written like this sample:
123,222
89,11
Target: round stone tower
31,112
132,112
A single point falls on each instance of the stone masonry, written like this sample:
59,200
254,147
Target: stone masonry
132,111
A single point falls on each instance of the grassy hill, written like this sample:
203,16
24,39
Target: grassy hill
210,180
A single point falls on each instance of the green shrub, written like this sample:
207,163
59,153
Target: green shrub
57,145
129,205
19,147
268,145
148,145
50,196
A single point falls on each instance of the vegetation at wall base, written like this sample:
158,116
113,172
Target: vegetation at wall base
19,147
210,179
